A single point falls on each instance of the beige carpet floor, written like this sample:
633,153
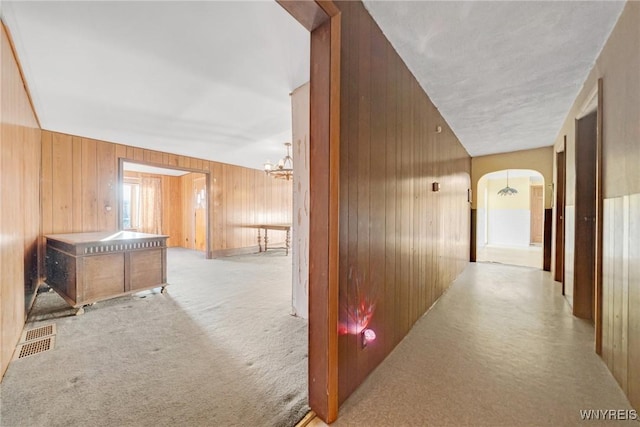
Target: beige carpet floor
219,349
500,348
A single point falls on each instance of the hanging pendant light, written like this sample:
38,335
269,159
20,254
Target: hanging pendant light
283,169
507,191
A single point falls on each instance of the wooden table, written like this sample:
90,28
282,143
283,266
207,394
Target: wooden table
88,267
266,228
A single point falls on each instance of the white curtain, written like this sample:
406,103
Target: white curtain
151,205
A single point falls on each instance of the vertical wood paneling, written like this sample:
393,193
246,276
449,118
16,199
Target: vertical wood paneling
121,151
617,280
361,266
31,212
89,192
621,292
20,216
61,181
152,156
188,202
390,338
225,180
47,181
607,282
348,195
217,206
401,245
76,186
633,303
172,214
377,203
106,202
138,154
84,174
170,159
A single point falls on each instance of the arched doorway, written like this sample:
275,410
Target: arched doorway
510,218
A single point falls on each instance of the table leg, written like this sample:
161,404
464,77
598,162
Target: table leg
259,241
266,240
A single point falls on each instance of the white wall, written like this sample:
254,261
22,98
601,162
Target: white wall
508,218
300,230
481,235
509,227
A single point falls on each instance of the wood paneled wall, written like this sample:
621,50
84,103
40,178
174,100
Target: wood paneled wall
188,206
19,202
401,244
80,176
621,292
619,66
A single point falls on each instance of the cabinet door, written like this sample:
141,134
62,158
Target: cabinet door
103,276
61,272
145,269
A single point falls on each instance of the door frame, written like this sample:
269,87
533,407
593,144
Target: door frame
123,160
323,19
195,216
541,212
560,202
594,102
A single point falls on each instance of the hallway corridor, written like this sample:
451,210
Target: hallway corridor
500,348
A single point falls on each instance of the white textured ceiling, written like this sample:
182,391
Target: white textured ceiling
205,79
503,74
211,79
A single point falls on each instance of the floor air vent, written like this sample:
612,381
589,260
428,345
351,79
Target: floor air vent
34,347
40,332
36,340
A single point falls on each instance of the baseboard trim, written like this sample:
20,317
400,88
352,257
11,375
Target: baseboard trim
221,253
307,419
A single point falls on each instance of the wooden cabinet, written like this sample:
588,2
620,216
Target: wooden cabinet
88,267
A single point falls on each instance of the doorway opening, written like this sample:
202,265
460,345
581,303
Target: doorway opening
510,218
170,201
582,294
560,215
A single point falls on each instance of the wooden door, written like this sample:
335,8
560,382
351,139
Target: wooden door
560,202
537,217
585,217
200,213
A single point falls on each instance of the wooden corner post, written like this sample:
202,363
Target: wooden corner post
322,19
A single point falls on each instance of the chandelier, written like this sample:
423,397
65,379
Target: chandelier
507,191
283,169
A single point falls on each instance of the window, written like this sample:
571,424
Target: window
130,205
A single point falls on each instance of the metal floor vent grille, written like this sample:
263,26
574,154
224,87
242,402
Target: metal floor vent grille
40,332
34,347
